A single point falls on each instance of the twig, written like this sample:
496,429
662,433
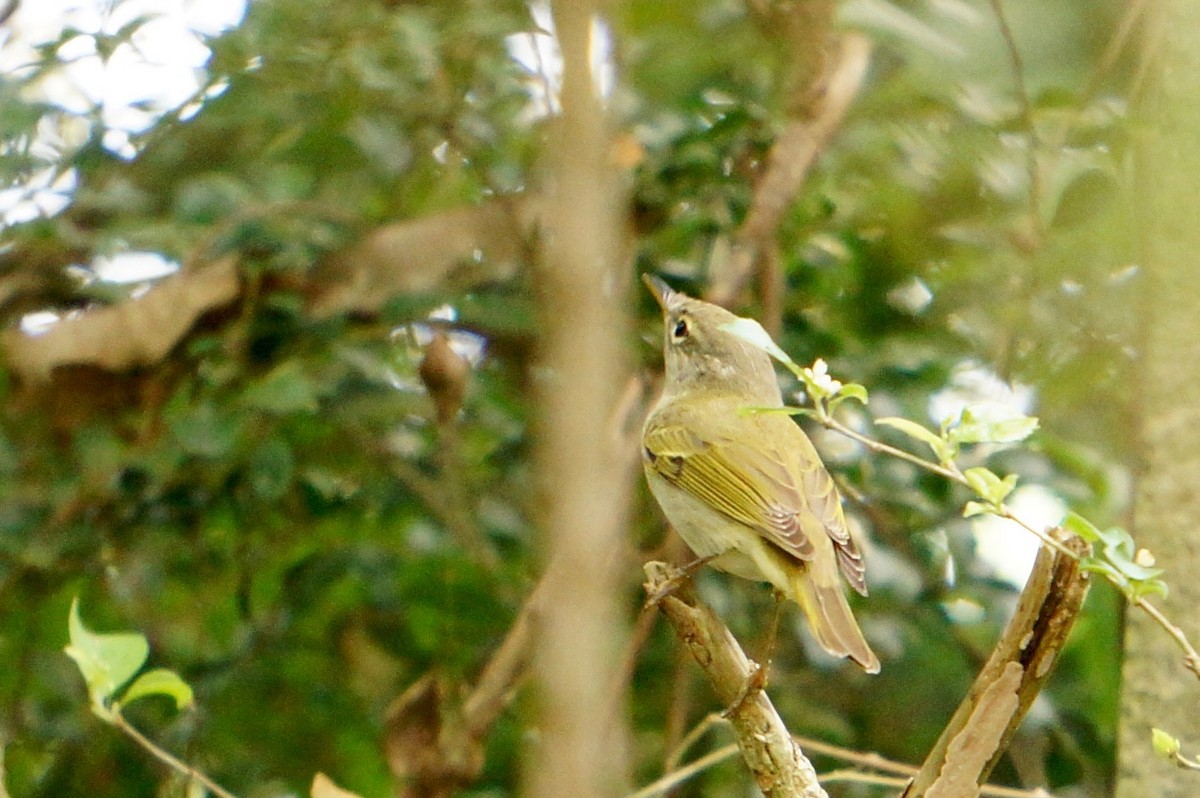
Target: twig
1191,659
165,756
859,777
950,472
678,776
710,720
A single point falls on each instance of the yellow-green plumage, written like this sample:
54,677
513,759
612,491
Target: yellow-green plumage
748,488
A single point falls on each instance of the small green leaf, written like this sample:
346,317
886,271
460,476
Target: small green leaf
1103,568
106,661
1149,587
972,428
990,487
976,508
1124,563
753,333
943,450
159,681
1076,523
1164,744
852,390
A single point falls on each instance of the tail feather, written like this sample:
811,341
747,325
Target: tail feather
831,621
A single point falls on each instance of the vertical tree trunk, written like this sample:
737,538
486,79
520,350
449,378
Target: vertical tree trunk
1157,691
582,475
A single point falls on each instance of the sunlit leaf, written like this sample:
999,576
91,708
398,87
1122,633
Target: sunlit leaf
106,661
1082,527
1165,745
973,428
162,682
286,389
988,485
753,333
941,449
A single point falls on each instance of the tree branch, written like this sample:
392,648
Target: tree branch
982,727
788,164
778,765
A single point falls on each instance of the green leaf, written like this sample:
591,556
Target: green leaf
1164,744
106,661
990,487
271,468
976,508
159,681
753,333
205,431
971,428
1125,563
1082,527
852,390
941,449
1149,587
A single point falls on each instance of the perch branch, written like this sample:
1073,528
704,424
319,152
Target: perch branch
778,765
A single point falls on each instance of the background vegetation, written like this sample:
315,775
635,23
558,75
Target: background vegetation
255,470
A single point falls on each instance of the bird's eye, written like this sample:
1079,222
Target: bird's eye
681,330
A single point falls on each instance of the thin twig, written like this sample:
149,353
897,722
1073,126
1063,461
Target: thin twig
1191,658
866,760
167,757
676,777
879,447
709,721
859,777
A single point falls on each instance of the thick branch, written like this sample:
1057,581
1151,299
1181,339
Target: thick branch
779,766
986,720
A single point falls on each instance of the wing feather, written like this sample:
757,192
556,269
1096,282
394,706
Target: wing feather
752,488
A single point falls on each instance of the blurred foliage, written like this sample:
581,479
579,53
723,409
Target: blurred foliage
276,507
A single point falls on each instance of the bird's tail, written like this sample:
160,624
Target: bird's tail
830,619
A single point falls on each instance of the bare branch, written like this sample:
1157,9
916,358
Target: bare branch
986,720
790,159
778,765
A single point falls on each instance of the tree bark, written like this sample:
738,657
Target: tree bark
1157,690
583,478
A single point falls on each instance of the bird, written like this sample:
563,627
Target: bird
747,490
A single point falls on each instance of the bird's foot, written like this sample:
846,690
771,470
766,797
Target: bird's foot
677,577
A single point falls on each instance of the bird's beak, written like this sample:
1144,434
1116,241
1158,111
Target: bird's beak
663,293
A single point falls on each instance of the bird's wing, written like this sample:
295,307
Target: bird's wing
826,506
752,488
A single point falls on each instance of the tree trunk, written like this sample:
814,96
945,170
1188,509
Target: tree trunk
1157,690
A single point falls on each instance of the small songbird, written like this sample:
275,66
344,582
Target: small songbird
747,489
